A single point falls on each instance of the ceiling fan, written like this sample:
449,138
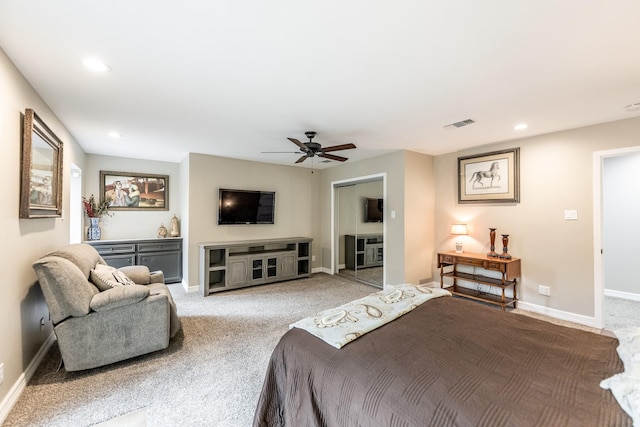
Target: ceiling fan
312,149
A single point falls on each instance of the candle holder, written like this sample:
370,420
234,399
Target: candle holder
492,239
505,247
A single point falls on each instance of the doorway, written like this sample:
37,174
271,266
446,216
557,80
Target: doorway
358,235
614,294
75,205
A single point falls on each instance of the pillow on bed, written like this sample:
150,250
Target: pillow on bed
106,277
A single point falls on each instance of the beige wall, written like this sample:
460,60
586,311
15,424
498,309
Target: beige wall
555,175
405,232
24,240
296,200
134,224
419,218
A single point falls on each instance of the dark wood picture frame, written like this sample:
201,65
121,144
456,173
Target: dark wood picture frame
41,170
128,191
490,177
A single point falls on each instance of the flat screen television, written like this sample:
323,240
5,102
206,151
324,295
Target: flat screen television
246,207
373,210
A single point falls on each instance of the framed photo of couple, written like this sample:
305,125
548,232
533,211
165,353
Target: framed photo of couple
128,191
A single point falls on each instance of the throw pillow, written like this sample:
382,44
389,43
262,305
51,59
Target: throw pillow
106,277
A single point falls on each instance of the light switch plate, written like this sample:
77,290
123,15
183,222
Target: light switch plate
570,215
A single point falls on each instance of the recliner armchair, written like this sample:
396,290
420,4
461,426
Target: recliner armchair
96,328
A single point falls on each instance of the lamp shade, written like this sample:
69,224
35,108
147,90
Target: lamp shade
459,229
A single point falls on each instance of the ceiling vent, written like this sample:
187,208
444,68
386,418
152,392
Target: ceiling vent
461,123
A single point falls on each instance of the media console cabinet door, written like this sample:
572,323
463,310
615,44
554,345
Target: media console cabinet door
288,266
237,271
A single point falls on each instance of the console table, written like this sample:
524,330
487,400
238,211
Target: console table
507,272
232,265
157,254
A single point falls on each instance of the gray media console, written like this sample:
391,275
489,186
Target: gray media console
363,250
232,265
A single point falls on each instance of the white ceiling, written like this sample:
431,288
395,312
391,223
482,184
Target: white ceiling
235,78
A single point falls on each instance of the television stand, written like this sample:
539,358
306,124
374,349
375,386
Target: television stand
232,265
363,250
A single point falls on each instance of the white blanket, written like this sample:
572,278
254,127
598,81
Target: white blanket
341,325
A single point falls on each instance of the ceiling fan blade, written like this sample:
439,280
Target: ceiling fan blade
301,159
281,152
332,157
339,147
299,144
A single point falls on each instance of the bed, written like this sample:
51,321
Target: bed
448,362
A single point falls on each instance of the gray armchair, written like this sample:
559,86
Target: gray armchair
96,328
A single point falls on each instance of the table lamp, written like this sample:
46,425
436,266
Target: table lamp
459,230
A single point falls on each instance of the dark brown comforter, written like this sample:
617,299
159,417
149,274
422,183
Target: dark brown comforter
449,362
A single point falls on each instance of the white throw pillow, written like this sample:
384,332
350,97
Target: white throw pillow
106,277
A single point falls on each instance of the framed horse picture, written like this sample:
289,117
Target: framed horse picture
490,177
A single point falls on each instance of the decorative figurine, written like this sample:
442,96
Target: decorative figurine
505,244
492,238
162,231
175,227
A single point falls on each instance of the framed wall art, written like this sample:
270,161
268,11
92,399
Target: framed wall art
41,171
128,191
490,177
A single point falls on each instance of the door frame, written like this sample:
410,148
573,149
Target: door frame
598,271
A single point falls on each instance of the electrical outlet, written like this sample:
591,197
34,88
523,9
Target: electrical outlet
544,290
313,257
1,373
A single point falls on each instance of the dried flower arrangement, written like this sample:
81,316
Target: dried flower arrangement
95,210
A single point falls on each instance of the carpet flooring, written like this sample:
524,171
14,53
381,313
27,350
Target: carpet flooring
210,375
621,313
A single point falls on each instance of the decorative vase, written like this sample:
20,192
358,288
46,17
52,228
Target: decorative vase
492,239
93,231
505,247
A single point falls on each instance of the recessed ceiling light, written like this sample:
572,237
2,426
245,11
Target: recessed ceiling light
114,134
96,65
633,107
520,126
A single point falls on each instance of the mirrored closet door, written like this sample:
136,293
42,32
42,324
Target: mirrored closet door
360,231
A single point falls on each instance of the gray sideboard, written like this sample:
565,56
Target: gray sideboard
157,254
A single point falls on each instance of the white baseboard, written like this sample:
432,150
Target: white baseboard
558,314
321,270
14,394
622,295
